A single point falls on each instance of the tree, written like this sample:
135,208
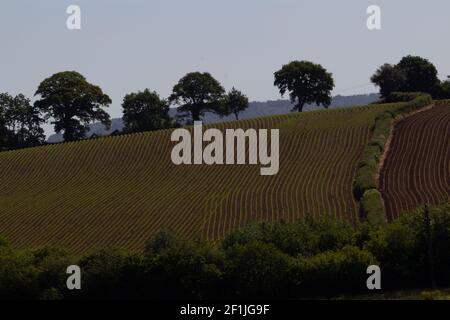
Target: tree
306,83
421,75
145,111
196,93
411,74
3,131
20,122
73,103
389,79
234,102
445,89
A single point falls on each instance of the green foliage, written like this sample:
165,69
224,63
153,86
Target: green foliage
33,274
411,74
18,275
332,272
73,103
145,111
305,237
234,102
383,124
196,93
365,178
389,79
421,75
182,269
306,83
372,208
256,269
398,96
104,273
20,123
402,250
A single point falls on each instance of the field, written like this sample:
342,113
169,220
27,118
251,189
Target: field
118,191
417,168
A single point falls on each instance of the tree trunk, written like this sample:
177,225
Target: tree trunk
195,115
300,106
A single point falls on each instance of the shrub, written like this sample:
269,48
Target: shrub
306,237
332,272
403,96
401,248
257,270
365,179
18,275
52,264
104,274
372,208
182,270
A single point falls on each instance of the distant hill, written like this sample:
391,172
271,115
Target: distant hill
255,109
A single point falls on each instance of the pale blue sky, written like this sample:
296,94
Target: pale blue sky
135,44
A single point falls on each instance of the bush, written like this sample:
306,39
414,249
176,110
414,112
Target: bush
401,248
332,272
257,270
403,96
182,269
372,208
365,180
306,237
104,274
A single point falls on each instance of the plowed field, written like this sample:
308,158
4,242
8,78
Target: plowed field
417,167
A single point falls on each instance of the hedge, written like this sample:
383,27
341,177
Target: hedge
369,165
372,205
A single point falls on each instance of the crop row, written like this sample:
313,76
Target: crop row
117,191
417,166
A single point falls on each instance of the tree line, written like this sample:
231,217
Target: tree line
309,258
70,103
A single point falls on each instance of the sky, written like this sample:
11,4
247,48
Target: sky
129,45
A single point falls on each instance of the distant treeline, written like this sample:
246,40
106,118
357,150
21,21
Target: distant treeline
70,103
306,259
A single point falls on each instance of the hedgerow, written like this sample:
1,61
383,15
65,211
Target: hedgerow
372,205
369,165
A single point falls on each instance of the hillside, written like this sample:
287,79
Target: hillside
417,169
117,191
255,110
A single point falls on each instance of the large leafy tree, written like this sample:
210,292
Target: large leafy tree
145,111
389,79
73,103
411,74
20,122
306,83
421,75
234,102
196,93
